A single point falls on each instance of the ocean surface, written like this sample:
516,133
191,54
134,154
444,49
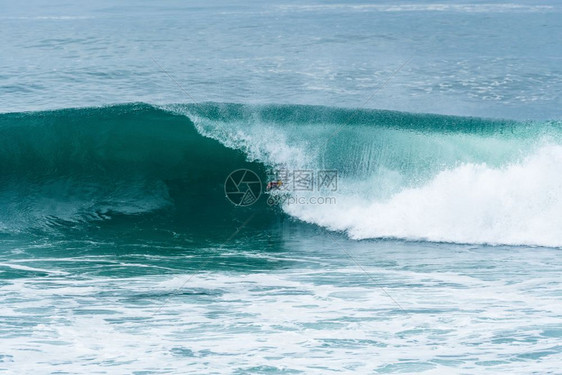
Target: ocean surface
416,226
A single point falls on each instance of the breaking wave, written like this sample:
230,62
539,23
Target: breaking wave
399,175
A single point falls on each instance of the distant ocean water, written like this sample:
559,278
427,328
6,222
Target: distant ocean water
417,229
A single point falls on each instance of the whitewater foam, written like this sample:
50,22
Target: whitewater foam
472,203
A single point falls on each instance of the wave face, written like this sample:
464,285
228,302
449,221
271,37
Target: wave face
75,167
400,175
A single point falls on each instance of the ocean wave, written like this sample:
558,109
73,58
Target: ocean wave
400,175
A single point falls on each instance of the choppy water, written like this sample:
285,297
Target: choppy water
287,303
435,250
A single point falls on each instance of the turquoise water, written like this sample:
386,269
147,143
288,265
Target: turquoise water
434,248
